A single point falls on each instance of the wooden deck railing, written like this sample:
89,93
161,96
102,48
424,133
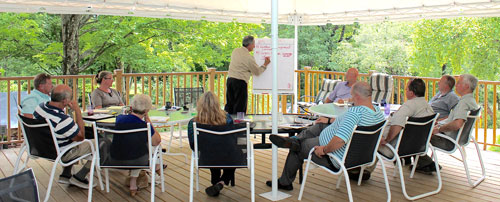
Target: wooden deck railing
159,86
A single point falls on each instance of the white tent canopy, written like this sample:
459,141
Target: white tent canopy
308,12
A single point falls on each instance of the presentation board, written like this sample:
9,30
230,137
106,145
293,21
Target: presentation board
264,82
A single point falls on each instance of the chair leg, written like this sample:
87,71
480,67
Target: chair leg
438,173
180,135
106,173
347,183
51,179
339,180
252,177
153,182
18,160
91,180
304,178
99,177
162,176
191,173
386,181
361,175
464,158
171,137
414,166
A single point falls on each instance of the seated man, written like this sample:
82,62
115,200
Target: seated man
465,87
66,131
446,98
415,106
343,89
41,94
332,139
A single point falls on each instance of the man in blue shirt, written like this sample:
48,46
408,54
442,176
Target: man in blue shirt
331,139
41,94
343,89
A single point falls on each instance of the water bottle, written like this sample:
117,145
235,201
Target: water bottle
387,108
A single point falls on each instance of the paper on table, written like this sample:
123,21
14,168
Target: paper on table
101,111
99,116
115,107
110,120
159,118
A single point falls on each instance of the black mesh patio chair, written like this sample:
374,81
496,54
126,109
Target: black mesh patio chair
130,149
185,96
463,139
414,140
19,187
41,142
226,146
361,151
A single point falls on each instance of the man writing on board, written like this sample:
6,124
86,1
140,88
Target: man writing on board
242,66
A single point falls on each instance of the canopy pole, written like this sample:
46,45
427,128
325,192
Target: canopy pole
296,63
274,195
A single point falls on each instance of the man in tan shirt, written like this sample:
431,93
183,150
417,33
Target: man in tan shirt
242,66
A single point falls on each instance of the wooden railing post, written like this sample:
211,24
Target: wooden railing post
119,80
307,83
211,79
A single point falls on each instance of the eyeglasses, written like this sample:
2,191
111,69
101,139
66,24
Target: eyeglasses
108,78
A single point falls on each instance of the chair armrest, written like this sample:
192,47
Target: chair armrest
445,137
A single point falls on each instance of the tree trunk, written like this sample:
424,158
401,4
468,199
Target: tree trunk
70,39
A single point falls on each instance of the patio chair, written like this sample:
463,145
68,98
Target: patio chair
382,87
125,154
361,151
226,146
326,88
41,142
19,187
463,139
183,97
414,140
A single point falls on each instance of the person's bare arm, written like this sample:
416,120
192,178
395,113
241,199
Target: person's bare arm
327,100
156,138
78,120
334,144
323,119
452,126
28,115
393,132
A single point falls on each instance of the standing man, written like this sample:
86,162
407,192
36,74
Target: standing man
242,66
41,94
445,99
343,89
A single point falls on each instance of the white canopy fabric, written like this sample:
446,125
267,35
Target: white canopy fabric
307,12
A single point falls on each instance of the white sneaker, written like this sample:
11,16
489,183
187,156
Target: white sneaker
63,179
82,184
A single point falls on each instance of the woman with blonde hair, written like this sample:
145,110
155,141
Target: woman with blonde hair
105,96
211,113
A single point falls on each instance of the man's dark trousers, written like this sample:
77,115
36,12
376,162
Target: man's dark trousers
236,96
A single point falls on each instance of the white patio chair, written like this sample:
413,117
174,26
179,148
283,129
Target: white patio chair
361,151
414,140
463,139
122,151
41,142
226,146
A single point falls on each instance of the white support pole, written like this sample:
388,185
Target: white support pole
296,62
274,195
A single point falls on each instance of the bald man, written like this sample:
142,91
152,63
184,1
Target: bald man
343,89
331,139
67,131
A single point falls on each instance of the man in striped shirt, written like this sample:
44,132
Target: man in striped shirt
66,131
331,139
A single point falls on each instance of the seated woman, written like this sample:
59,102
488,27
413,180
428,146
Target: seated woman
126,148
105,96
210,113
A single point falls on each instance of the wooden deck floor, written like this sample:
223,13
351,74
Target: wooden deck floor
320,185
